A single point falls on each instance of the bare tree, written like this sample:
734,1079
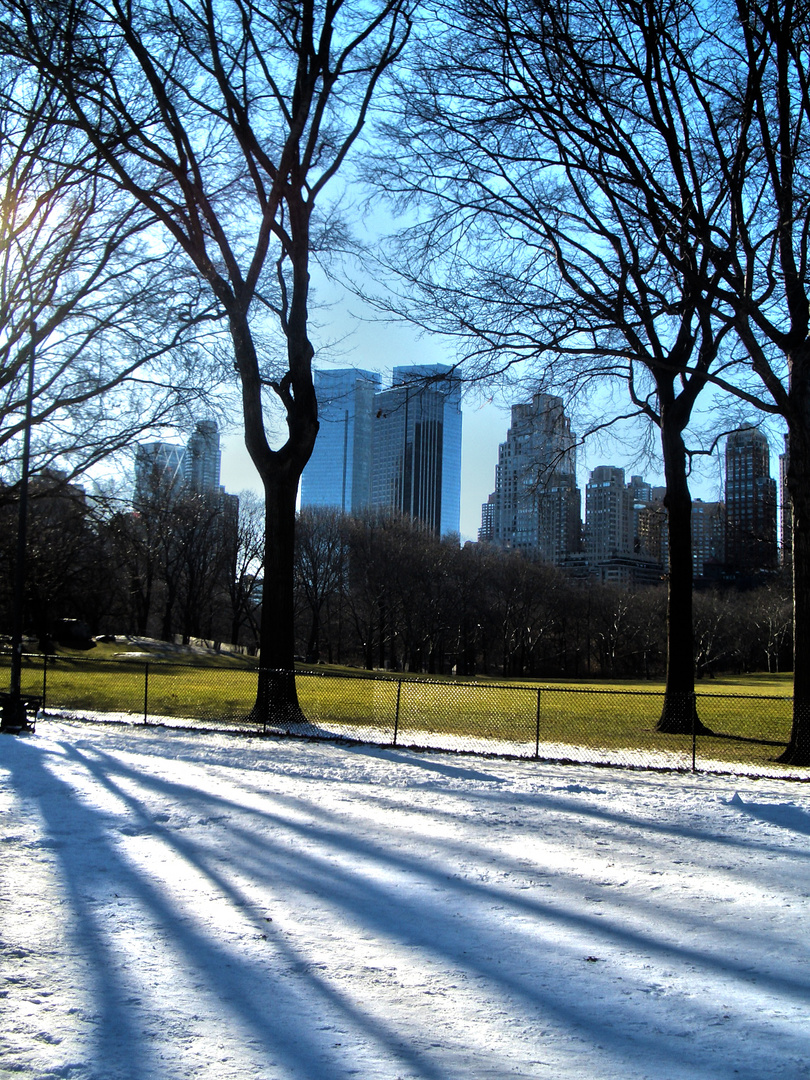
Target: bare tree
227,119
91,321
760,142
560,152
321,566
65,556
244,589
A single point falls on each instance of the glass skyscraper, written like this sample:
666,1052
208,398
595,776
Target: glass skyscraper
165,470
158,472
203,458
417,447
393,450
339,472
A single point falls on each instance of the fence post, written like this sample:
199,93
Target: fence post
396,714
44,680
693,700
537,728
146,692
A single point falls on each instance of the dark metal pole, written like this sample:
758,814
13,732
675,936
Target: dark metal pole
693,701
537,727
22,538
13,715
44,682
396,714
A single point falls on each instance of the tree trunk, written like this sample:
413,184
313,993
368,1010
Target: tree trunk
280,471
798,481
276,696
679,713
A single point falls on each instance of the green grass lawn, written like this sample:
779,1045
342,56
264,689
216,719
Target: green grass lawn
749,715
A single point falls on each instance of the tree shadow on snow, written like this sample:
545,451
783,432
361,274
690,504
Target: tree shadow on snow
419,900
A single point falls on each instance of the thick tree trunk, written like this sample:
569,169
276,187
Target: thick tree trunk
277,697
679,714
280,471
798,480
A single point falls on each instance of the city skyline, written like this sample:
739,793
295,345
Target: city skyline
486,421
484,430
622,535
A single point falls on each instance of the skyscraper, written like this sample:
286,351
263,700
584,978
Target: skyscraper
339,472
165,471
158,472
750,502
608,514
535,506
396,450
708,538
201,464
416,447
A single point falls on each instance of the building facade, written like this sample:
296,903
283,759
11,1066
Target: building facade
166,471
708,539
535,506
416,447
708,528
750,503
203,458
339,472
159,471
396,450
609,517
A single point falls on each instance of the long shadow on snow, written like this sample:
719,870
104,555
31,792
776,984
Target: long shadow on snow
786,815
798,820
122,1052
383,908
394,857
634,825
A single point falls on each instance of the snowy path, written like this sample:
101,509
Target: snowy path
176,906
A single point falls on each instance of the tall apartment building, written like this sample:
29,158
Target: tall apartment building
708,534
622,535
609,521
535,506
203,459
708,538
397,449
339,472
750,503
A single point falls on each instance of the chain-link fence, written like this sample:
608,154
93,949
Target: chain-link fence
586,724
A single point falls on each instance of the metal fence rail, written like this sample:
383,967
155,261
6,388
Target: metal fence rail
525,720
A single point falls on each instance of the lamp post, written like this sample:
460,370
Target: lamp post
13,716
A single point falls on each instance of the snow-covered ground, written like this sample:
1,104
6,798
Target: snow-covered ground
178,905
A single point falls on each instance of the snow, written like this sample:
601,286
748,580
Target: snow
177,905
568,753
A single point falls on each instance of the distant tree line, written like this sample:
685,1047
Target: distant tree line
382,592
376,593
177,568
